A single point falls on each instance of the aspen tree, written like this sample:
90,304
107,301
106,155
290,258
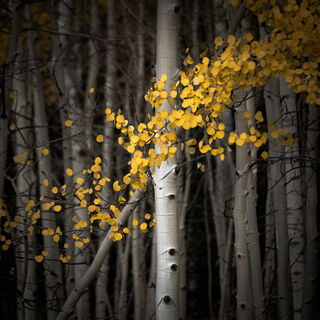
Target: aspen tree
59,68
165,177
102,298
53,271
239,217
294,195
276,151
311,270
25,264
11,55
138,268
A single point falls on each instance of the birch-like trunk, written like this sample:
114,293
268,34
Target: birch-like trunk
58,68
52,267
311,222
276,151
150,308
7,87
139,287
139,282
184,186
165,177
123,299
240,218
257,297
270,250
25,264
102,298
295,212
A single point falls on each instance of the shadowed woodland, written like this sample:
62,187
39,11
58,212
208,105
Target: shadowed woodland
159,159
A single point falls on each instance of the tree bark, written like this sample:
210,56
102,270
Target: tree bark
53,270
311,222
276,151
165,177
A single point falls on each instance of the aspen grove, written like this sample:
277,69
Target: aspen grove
159,159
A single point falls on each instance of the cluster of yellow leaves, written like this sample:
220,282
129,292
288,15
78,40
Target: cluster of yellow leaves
292,48
145,223
23,158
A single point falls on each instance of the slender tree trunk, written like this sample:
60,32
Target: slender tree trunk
53,272
102,297
239,216
7,87
139,282
269,260
150,308
165,177
311,223
295,213
208,243
276,151
123,299
26,179
139,286
257,297
59,44
184,186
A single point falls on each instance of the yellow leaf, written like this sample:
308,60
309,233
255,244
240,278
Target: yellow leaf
218,42
264,155
69,172
38,258
117,236
134,222
46,206
143,226
78,244
54,190
45,151
56,238
57,208
68,123
147,216
45,182
116,186
99,138
247,114
114,228
45,253
91,90
163,78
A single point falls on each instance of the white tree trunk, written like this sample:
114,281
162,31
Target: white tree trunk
295,212
123,299
165,177
26,306
53,270
270,250
239,216
272,101
257,297
58,71
102,298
